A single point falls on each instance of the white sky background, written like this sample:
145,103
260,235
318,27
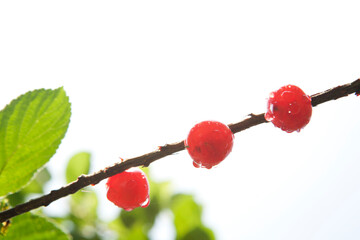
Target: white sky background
141,73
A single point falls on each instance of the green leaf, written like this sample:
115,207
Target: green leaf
37,184
30,227
187,214
200,232
83,216
4,205
136,233
83,205
78,164
34,187
31,129
144,217
187,219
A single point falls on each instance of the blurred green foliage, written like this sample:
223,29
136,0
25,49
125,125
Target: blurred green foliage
77,165
83,223
36,186
31,129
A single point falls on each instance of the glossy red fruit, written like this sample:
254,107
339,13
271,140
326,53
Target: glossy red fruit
209,143
129,189
289,108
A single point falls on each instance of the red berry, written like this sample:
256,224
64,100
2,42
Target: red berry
129,189
289,108
208,143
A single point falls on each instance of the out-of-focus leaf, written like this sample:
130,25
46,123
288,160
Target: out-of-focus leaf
199,233
4,226
161,192
35,186
136,233
32,227
82,221
141,216
78,164
4,204
31,129
83,205
187,214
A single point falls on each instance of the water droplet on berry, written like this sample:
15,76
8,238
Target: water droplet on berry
271,107
269,117
146,203
196,164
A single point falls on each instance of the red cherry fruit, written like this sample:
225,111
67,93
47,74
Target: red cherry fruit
289,108
129,189
209,143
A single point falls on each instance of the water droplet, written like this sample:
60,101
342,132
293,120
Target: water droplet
269,117
272,107
197,165
146,203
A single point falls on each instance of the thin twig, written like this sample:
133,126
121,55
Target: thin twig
147,159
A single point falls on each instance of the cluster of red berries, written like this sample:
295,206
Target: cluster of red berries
210,142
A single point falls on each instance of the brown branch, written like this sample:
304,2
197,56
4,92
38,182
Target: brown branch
336,92
147,159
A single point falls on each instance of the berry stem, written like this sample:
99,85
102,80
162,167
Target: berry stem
166,150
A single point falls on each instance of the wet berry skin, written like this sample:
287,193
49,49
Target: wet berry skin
289,108
129,189
209,143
